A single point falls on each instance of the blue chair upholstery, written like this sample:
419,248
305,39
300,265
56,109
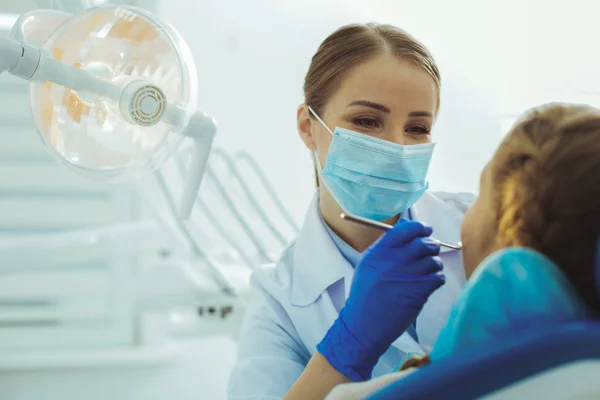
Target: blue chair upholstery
488,367
482,369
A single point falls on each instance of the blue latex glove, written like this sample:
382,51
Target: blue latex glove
392,282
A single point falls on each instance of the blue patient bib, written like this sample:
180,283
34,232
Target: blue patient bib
512,289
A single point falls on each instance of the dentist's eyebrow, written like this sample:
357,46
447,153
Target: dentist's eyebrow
381,107
366,103
420,114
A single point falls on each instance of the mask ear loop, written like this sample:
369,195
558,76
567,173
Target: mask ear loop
318,163
320,120
314,152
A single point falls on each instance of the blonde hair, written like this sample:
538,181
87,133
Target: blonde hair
354,44
546,183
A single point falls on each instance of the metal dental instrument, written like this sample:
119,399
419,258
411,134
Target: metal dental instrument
386,227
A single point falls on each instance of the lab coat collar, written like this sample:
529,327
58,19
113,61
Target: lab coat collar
318,263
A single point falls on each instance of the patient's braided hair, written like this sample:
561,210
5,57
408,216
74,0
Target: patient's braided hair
546,180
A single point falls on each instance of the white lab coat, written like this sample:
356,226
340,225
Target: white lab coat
292,309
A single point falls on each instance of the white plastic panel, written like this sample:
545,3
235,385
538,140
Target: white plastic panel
69,308
574,381
72,289
14,103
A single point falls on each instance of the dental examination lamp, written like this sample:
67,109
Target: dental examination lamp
112,92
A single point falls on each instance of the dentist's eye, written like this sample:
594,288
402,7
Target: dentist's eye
366,123
418,130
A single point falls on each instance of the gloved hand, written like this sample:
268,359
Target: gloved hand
392,282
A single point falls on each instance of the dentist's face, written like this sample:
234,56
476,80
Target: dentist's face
385,97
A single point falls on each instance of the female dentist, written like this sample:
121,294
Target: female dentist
319,319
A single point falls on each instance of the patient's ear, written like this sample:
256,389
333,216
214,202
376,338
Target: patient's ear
415,362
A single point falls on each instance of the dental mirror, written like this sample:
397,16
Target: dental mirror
386,227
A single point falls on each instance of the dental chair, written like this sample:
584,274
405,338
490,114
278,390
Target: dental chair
561,362
550,361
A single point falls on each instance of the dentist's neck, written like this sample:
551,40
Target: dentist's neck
359,237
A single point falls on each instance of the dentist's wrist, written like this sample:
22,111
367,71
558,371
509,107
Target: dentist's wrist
346,354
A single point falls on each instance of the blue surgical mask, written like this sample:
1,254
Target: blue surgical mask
373,178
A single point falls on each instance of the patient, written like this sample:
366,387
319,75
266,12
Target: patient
540,191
